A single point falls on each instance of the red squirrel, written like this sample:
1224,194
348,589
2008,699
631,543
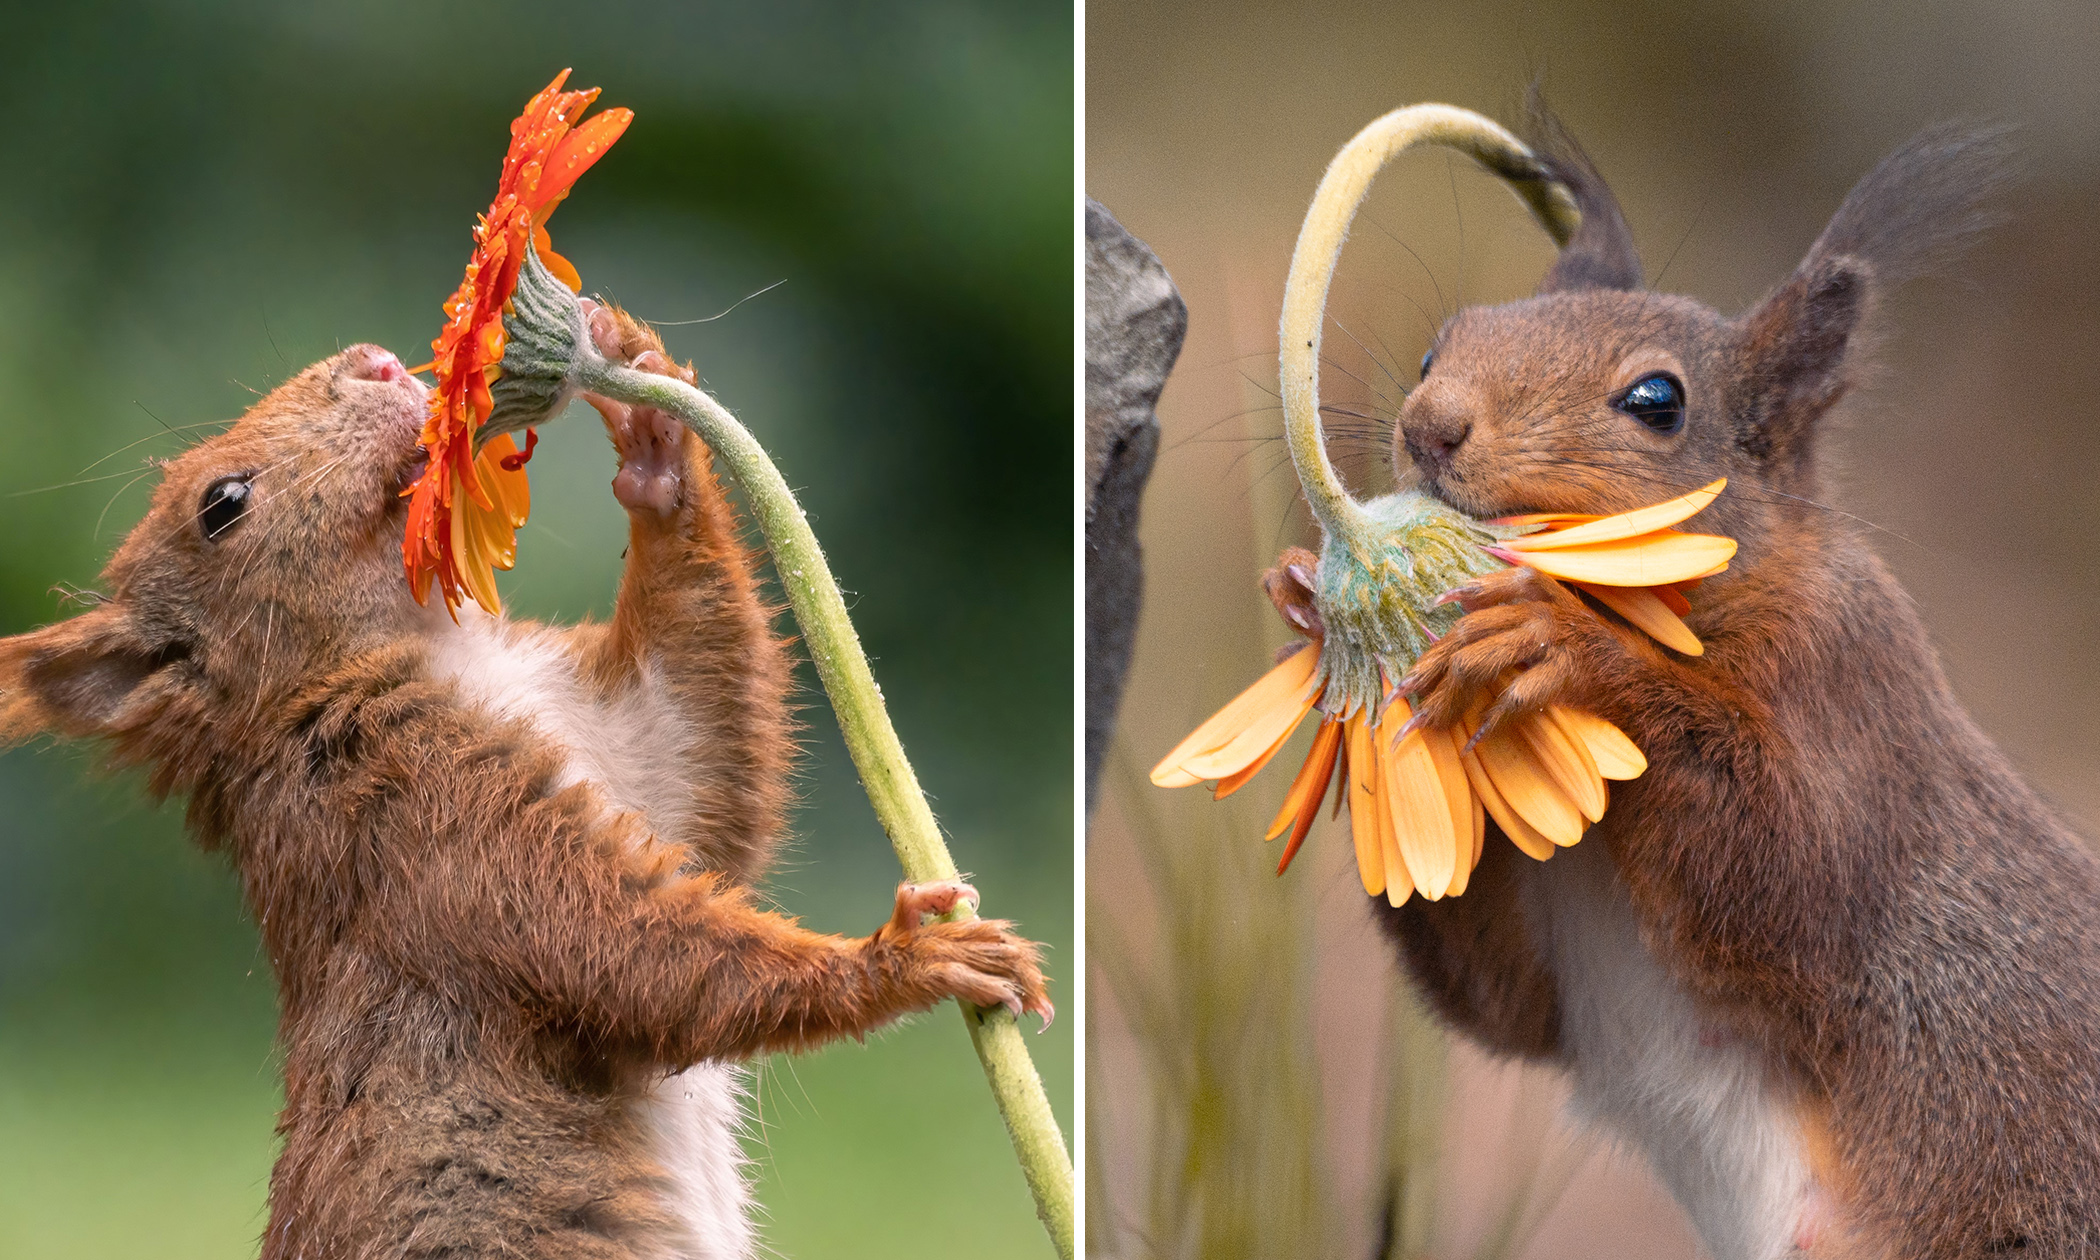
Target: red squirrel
1829,961
501,869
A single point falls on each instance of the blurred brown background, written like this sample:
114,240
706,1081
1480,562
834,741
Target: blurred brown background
1730,133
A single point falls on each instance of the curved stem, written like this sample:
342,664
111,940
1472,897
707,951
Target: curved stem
877,753
1319,248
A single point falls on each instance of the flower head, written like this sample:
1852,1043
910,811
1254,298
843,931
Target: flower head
1419,799
465,509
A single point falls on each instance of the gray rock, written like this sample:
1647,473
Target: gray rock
1135,321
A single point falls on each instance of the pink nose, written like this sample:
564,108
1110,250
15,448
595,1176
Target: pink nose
374,363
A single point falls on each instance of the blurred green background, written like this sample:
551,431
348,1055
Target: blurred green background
202,199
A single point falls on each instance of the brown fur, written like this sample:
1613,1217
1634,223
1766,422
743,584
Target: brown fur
480,970
1826,852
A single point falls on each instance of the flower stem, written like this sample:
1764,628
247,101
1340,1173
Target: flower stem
877,753
1319,248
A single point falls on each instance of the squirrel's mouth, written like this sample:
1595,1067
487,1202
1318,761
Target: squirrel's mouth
411,469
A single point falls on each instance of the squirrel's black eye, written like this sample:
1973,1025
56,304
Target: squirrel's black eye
1656,401
1428,357
225,503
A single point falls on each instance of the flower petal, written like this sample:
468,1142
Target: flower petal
1673,599
1623,525
1649,560
1520,833
1365,803
1234,782
1327,745
1458,797
1567,765
1531,793
1422,817
1646,610
1281,687
1614,755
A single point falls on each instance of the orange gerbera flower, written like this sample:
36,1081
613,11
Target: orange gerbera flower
1419,804
460,539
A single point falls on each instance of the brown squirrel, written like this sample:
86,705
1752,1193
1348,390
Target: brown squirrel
1829,961
500,868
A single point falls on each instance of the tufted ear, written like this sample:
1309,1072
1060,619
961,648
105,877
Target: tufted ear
1792,353
79,677
1600,255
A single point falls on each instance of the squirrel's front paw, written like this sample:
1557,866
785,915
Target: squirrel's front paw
1526,642
980,961
651,444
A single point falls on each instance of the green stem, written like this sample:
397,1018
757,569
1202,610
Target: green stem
1319,248
877,753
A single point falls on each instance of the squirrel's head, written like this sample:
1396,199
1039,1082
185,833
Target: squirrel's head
1597,396
269,550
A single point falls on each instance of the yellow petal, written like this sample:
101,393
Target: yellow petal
1641,606
1649,560
1399,885
1531,793
1282,687
1615,756
1458,797
1480,827
1520,833
1175,778
1625,524
1234,782
1421,815
1564,762
1364,804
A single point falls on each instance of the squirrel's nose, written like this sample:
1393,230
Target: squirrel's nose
1432,436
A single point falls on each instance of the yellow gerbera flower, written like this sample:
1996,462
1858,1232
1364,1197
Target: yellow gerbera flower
1419,804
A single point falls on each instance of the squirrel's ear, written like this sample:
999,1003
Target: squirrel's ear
79,677
1601,254
1791,356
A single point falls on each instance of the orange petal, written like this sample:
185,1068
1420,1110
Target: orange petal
1565,763
1673,599
1545,518
1624,525
1283,688
1458,798
1365,804
1614,755
562,269
577,152
1234,782
1649,560
1646,610
1399,885
1520,833
1531,793
1421,814
1480,827
1305,785
1327,745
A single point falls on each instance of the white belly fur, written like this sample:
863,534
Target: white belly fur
634,750
1720,1132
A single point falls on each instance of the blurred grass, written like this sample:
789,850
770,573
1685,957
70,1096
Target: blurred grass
206,197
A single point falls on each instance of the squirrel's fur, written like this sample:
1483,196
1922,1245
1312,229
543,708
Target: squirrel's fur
1829,960
500,869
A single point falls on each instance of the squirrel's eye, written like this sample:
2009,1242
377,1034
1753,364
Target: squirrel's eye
1428,357
225,503
1656,401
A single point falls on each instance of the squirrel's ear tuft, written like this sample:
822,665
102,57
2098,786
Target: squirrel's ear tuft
1601,254
1796,353
79,677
